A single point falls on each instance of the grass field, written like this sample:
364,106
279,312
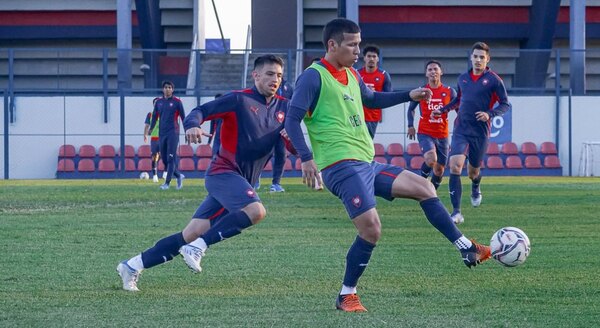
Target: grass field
60,242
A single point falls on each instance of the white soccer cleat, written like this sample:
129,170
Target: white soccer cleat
457,218
164,186
476,200
192,256
155,178
180,181
129,276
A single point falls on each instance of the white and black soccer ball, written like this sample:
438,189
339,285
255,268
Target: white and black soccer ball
510,246
144,176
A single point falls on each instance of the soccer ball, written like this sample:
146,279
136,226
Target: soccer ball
144,176
510,246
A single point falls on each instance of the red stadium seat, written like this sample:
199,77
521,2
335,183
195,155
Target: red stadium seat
380,159
106,165
86,165
161,165
398,161
492,149
65,165
528,148
129,151
395,149
552,162
548,148
185,150
204,151
268,166
87,151
416,162
298,165
66,151
509,148
494,162
186,164
379,150
144,165
106,151
129,165
514,162
203,164
413,149
288,165
144,151
533,162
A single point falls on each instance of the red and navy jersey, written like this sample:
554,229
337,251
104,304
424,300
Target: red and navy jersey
382,82
169,110
436,127
250,129
478,93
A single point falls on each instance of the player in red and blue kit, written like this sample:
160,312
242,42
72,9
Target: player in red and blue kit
169,110
154,143
253,121
479,89
376,79
329,98
433,131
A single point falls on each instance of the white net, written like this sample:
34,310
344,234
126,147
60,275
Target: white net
589,165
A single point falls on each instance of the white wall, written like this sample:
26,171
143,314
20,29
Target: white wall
44,123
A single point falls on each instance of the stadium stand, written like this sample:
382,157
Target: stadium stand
67,151
129,151
413,149
552,162
186,164
203,164
416,162
106,151
66,165
509,148
87,151
287,166
86,165
528,148
380,159
185,150
492,149
144,165
548,148
494,162
398,161
203,151
533,162
379,149
269,166
395,149
106,165
129,165
144,151
513,162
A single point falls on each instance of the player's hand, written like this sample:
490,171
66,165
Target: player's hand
370,86
310,174
411,133
419,94
482,116
436,113
194,135
145,138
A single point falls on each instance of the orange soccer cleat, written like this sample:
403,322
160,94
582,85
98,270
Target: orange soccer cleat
349,303
477,254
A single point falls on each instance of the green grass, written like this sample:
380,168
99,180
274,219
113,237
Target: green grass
60,242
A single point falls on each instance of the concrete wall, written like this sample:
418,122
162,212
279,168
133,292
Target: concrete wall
44,123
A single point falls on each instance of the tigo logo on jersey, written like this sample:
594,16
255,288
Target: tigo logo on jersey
280,116
356,201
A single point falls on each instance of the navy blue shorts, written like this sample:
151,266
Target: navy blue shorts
440,145
473,147
227,192
154,146
357,183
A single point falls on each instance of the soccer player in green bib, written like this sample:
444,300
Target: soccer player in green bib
329,97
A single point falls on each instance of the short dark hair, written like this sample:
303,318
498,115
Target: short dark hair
166,82
267,59
481,46
218,95
371,48
336,28
433,61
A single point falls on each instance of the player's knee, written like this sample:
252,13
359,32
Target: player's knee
256,212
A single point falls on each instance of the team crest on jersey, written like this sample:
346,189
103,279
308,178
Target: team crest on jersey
250,193
444,94
485,81
254,109
356,201
280,116
376,79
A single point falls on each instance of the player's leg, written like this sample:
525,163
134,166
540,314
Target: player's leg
441,149
477,148
394,182
155,150
429,153
352,183
243,207
164,155
458,151
278,163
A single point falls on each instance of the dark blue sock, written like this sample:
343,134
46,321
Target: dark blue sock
455,187
425,170
436,181
438,216
163,251
475,185
356,260
228,226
